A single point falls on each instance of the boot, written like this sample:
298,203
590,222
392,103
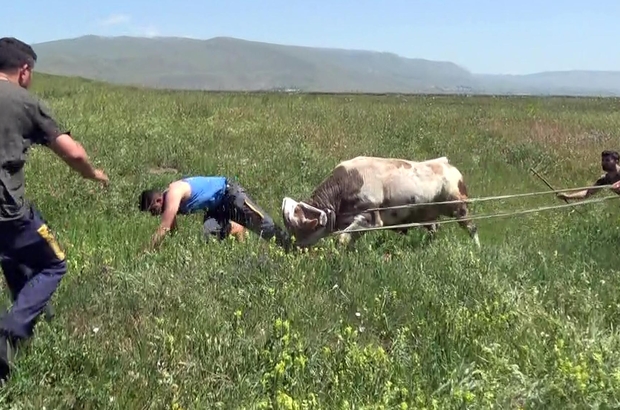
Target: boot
7,354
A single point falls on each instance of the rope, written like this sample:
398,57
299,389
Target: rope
481,199
478,217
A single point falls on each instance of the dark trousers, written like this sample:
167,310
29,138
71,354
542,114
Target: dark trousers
33,265
237,206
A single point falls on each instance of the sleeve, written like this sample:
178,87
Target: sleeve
46,129
603,180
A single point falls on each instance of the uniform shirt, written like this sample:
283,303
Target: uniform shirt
206,193
24,121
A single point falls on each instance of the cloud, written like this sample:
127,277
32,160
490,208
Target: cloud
115,20
150,31
124,24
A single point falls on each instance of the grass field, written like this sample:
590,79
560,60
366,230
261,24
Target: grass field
529,321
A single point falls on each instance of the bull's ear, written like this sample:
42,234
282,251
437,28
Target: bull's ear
299,213
311,223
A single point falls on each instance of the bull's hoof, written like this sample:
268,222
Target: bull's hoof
344,239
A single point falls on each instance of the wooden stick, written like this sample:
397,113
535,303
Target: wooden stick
547,183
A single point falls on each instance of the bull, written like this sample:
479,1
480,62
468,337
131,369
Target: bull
344,200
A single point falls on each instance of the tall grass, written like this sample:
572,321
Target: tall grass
529,321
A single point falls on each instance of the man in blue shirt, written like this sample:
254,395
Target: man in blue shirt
225,203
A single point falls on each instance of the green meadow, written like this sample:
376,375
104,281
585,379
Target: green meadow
527,322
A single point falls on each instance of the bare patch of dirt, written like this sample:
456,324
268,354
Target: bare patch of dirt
162,170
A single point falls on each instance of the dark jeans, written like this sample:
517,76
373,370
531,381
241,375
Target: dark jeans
33,265
240,208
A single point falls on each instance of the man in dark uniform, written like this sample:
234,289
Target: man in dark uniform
32,261
609,163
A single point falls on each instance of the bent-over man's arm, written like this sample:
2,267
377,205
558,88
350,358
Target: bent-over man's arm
168,218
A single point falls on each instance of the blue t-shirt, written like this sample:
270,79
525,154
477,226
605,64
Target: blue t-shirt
206,193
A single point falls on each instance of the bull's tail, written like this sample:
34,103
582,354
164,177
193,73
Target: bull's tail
462,212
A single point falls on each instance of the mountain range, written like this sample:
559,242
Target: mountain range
231,64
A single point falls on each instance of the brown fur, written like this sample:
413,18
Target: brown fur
461,211
436,168
334,191
463,189
402,164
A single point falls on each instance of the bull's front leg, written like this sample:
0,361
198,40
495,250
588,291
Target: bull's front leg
361,221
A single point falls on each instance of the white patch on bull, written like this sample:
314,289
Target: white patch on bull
288,211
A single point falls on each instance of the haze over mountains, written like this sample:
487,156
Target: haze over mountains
225,63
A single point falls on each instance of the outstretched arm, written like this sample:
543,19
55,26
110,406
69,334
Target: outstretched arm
74,155
46,132
168,217
586,193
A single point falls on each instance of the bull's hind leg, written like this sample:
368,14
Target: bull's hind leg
470,226
461,212
431,229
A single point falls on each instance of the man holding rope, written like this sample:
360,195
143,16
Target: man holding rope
609,163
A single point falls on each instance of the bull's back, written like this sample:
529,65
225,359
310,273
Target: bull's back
366,163
403,181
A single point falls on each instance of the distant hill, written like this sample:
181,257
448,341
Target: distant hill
225,63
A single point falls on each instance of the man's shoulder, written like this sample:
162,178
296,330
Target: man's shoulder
180,186
12,91
612,179
608,179
13,94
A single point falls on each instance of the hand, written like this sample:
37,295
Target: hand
156,239
616,187
561,195
100,176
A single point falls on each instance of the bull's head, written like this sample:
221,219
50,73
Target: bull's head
307,223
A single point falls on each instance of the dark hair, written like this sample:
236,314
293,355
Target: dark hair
613,154
146,198
15,53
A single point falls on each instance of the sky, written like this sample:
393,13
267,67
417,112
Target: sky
483,36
